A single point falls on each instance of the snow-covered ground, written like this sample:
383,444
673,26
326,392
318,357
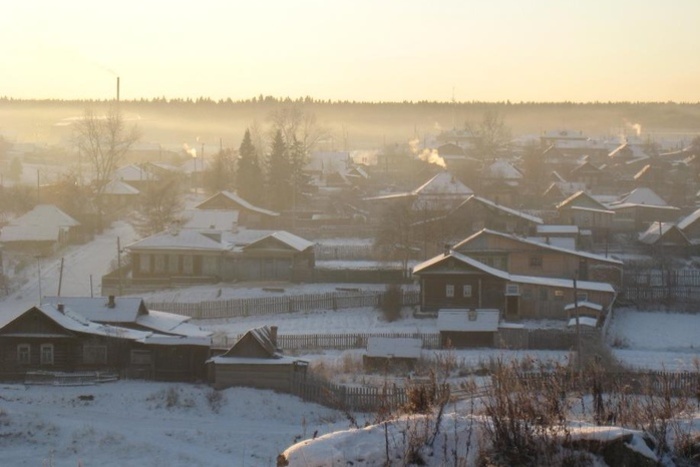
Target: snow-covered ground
153,424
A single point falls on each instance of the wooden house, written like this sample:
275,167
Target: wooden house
518,255
40,231
461,329
584,211
587,174
501,182
249,215
392,353
665,238
636,210
201,256
454,280
690,226
53,337
254,361
476,213
585,309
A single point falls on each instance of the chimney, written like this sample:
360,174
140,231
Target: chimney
273,335
111,302
60,307
447,248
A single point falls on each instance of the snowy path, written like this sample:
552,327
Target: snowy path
80,262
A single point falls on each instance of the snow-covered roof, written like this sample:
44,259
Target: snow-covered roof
583,321
506,209
72,321
584,304
241,202
585,196
443,184
132,173
209,219
29,233
97,309
118,187
583,254
185,239
397,347
689,219
557,229
293,241
645,196
657,230
45,216
171,323
468,320
515,278
503,170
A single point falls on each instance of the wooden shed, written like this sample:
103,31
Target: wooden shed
254,361
468,328
392,353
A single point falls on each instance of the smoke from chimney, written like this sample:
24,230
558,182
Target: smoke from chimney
430,156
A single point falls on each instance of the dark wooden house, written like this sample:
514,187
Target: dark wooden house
254,361
249,215
54,338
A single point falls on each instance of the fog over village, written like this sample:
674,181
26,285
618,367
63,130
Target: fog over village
302,234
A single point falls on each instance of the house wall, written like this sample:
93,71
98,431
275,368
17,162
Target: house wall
485,291
465,340
277,377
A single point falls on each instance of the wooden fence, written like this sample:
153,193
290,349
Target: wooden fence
239,307
334,341
653,286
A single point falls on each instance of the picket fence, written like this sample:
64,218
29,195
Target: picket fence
240,307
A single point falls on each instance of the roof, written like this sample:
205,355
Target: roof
546,246
505,209
171,323
132,173
293,241
644,196
398,347
468,320
584,304
43,223
557,229
125,310
443,184
209,219
503,170
582,195
658,230
118,187
185,239
263,337
514,278
241,202
688,220
584,321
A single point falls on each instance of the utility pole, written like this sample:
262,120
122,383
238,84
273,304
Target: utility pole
119,264
579,357
91,295
38,267
60,278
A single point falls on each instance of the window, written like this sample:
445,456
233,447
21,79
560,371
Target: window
159,266
24,354
558,294
449,290
145,263
536,261
582,296
466,291
188,265
46,354
512,289
94,354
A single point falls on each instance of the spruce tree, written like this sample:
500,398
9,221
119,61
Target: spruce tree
249,176
279,188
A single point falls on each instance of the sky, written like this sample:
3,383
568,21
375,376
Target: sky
363,50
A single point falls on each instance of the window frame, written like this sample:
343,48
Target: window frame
449,290
43,355
20,354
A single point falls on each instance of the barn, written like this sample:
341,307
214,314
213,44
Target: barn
255,361
392,353
468,328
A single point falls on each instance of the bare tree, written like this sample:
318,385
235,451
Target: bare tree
159,207
297,124
104,141
492,134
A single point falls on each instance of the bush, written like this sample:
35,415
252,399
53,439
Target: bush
391,301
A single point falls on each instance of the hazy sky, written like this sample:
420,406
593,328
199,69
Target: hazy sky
489,50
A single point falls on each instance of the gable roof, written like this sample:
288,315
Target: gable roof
118,187
582,199
499,207
185,239
42,224
97,309
638,196
443,184
292,241
397,347
688,220
133,173
233,197
503,170
209,219
262,336
660,230
544,246
468,320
